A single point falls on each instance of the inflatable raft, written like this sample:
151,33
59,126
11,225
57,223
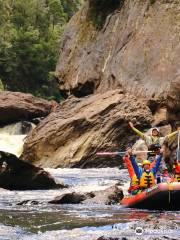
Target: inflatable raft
163,196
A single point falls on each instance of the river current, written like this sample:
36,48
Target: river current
46,221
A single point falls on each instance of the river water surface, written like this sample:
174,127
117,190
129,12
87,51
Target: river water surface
84,222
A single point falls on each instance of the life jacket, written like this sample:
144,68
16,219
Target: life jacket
155,140
134,180
147,180
134,185
176,177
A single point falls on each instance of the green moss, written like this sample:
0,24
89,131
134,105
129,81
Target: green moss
100,9
152,1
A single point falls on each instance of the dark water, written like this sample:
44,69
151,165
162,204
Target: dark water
45,221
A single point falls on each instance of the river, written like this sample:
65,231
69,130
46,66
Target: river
82,222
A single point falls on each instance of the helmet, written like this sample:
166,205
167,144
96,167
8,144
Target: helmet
155,128
146,162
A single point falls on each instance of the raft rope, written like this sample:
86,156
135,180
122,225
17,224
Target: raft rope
170,188
178,145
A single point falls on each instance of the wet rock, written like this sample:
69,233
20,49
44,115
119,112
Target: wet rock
69,198
15,106
109,238
111,195
73,134
18,175
28,202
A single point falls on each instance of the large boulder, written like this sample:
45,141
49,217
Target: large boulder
18,175
73,134
16,106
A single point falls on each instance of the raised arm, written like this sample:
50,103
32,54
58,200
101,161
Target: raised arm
157,164
158,160
172,134
129,166
135,166
139,133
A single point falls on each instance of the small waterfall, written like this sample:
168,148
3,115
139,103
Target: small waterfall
12,137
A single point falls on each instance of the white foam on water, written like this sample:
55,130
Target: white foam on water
12,143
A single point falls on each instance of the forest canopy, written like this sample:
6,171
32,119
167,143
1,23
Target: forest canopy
30,32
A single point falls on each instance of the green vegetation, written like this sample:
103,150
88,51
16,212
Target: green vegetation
100,9
30,31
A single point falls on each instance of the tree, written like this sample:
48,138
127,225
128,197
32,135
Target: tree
29,37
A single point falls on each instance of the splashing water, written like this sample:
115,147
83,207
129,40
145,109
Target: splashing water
12,137
84,222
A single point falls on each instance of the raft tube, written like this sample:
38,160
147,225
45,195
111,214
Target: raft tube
163,196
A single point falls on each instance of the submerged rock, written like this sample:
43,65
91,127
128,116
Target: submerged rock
15,106
111,195
73,134
109,238
18,175
28,202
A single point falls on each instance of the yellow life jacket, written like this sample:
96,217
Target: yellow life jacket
176,177
134,180
147,180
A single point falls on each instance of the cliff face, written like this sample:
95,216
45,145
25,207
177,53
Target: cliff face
120,60
132,44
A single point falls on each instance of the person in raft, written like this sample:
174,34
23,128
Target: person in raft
134,184
155,137
145,174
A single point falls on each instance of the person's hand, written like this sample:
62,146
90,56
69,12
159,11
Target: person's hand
128,151
162,150
131,124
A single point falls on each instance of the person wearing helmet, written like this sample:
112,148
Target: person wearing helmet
146,174
155,137
134,184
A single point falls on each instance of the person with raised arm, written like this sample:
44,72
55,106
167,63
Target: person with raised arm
155,137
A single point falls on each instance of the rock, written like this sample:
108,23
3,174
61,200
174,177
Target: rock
28,202
112,44
69,198
15,106
116,44
109,238
18,175
111,195
73,134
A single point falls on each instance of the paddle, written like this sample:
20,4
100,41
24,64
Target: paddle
119,153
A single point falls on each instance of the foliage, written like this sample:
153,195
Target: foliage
100,9
30,31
